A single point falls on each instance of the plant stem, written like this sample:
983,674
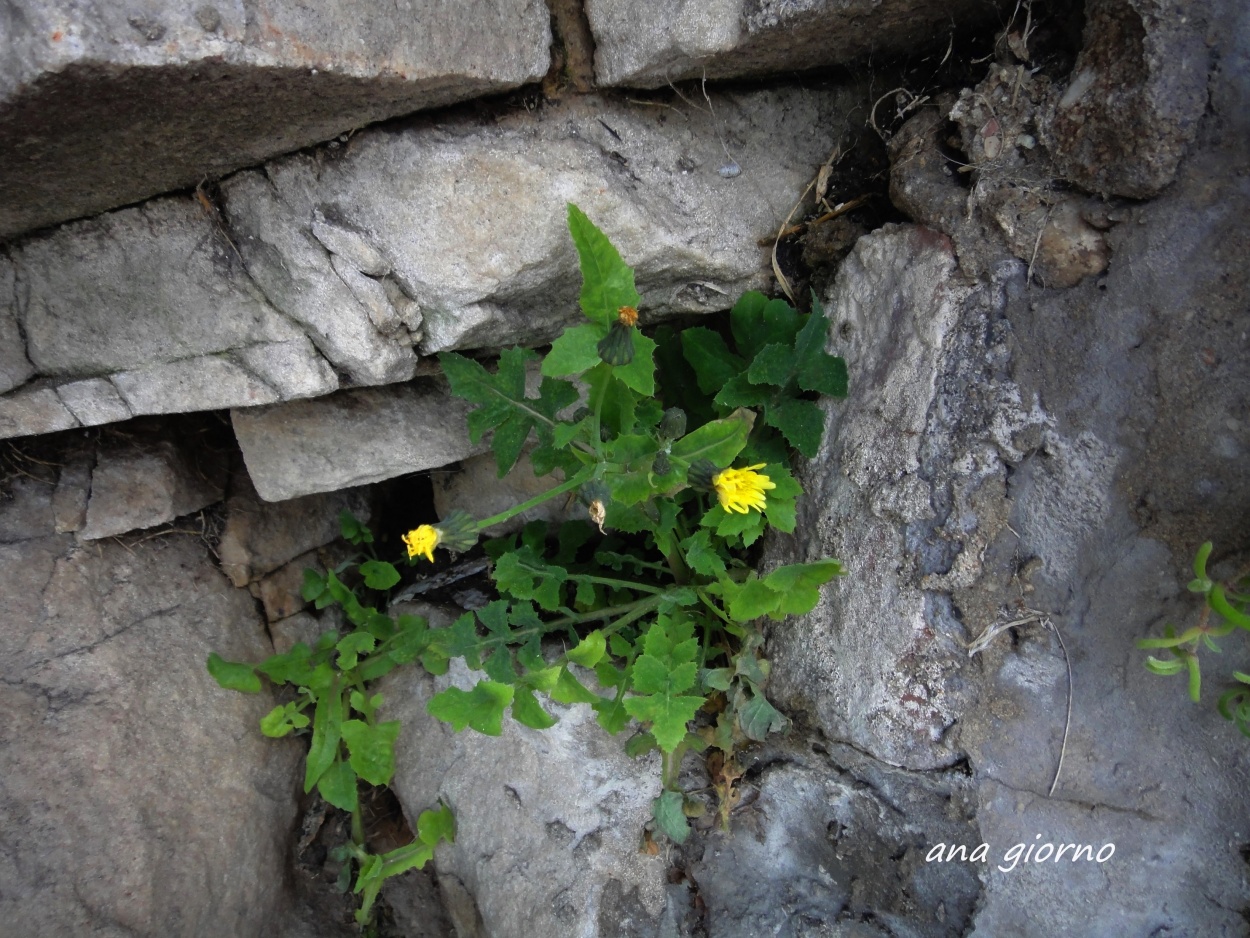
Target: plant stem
619,584
515,510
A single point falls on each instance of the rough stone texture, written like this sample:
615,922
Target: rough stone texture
351,438
69,500
649,44
28,411
548,822
136,796
1077,445
15,367
1133,101
467,220
93,401
279,592
177,93
260,537
142,483
831,839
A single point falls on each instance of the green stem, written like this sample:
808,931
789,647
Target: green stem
618,584
515,510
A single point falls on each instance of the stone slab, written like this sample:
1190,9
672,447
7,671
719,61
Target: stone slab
177,93
15,367
652,43
351,438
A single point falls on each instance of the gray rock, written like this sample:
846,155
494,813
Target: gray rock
494,264
15,367
271,215
139,287
351,438
279,592
136,796
149,482
180,93
93,401
28,411
547,822
652,44
69,499
259,537
1132,104
210,382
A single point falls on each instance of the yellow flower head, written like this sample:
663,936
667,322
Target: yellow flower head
741,490
422,541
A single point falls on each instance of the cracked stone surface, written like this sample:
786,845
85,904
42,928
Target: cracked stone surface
548,821
179,93
649,44
136,796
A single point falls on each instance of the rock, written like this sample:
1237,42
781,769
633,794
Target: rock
15,367
301,627
279,592
137,797
28,411
69,500
28,511
494,265
548,823
138,287
260,537
351,438
93,401
829,835
143,483
651,48
1132,104
180,93
476,488
870,662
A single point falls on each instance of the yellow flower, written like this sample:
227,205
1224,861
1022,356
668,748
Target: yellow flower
741,490
423,540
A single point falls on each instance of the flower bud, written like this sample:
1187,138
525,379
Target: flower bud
672,424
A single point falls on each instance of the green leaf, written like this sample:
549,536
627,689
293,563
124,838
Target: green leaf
569,690
379,575
639,745
752,599
607,281
327,730
660,675
802,423
314,587
756,321
678,383
351,646
522,574
799,585
719,441
575,351
352,530
701,556
372,749
433,826
1195,678
779,501
670,816
717,678
481,708
282,719
527,711
1200,560
639,374
709,356
233,676
758,718
1220,604
502,402
589,650
337,785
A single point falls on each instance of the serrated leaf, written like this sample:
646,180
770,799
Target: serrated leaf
589,650
232,675
779,501
670,816
433,826
701,556
709,356
481,708
799,584
639,374
757,718
575,351
372,749
752,599
281,720
611,714
666,669
569,690
523,575
527,711
313,587
607,281
379,575
802,423
337,785
639,745
351,646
